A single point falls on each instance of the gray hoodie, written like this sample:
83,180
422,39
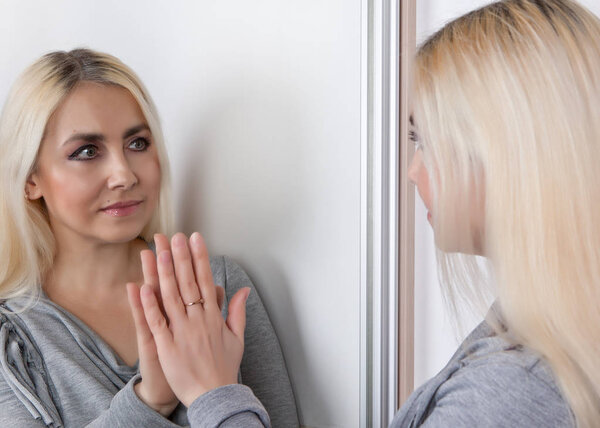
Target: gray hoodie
57,372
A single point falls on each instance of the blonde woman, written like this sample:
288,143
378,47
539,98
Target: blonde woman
508,148
508,165
84,190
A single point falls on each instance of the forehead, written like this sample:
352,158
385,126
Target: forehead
94,107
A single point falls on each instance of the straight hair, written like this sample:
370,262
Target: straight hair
27,247
506,106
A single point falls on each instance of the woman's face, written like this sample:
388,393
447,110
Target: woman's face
460,237
97,170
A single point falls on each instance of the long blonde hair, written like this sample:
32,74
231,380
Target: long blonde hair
506,104
27,246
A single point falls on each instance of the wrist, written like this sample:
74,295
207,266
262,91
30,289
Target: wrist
165,409
194,393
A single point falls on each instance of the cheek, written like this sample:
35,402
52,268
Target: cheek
65,187
150,174
424,189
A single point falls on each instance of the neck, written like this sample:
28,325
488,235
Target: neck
95,268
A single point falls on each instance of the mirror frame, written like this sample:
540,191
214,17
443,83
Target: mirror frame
387,210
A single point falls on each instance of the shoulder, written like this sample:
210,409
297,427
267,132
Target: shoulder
229,274
499,381
504,375
502,391
489,382
486,354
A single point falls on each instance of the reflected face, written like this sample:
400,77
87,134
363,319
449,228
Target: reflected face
464,231
454,240
97,170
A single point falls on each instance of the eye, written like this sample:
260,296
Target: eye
86,152
412,136
139,144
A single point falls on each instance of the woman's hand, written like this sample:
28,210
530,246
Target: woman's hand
154,390
197,349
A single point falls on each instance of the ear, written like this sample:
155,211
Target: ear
33,188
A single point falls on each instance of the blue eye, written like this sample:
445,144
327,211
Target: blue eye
139,144
83,153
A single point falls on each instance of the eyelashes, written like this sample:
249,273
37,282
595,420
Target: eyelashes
140,144
91,151
412,136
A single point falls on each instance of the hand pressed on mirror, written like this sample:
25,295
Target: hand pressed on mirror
154,389
198,350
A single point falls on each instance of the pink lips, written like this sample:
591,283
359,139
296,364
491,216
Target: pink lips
122,209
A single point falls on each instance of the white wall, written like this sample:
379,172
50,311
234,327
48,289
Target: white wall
435,341
260,103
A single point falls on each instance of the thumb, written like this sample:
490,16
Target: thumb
143,334
236,320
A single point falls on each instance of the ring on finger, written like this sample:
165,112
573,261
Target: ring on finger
200,300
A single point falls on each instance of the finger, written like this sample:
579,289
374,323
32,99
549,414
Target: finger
161,242
155,319
142,330
149,269
220,296
184,271
143,333
202,270
168,286
151,274
236,320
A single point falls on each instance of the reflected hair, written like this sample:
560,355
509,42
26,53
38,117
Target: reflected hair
506,105
27,246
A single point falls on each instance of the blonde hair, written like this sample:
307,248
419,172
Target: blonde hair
506,105
27,246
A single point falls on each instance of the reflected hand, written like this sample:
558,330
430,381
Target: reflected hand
197,349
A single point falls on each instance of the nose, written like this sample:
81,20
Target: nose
120,176
413,168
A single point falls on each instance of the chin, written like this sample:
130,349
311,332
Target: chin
121,234
456,243
120,238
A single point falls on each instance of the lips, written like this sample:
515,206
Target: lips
121,209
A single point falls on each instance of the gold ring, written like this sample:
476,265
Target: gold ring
200,300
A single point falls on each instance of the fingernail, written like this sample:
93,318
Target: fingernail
195,239
179,240
248,290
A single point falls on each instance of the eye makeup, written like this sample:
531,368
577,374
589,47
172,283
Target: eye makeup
89,150
414,137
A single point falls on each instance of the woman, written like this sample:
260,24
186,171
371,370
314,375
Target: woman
507,158
507,163
84,189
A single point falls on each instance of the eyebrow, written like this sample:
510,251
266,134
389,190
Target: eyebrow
411,120
95,137
134,130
